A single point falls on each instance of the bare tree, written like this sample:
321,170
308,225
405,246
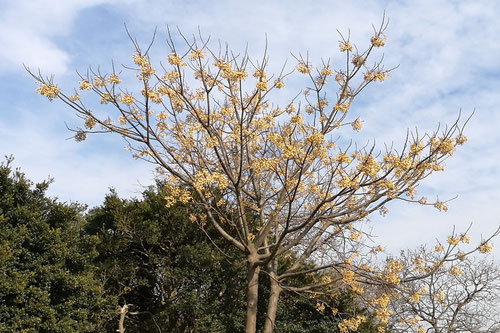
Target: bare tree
277,182
459,296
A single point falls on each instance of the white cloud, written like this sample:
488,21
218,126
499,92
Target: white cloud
27,29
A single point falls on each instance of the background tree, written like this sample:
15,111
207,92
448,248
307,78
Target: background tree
461,296
275,181
155,259
47,281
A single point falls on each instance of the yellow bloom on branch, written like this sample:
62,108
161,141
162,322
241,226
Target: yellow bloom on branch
345,46
48,90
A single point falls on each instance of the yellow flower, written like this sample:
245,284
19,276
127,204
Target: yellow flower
197,54
439,248
460,140
379,76
279,84
303,68
106,98
85,85
259,74
378,40
357,125
113,79
127,99
174,59
441,206
341,107
89,123
326,71
345,46
453,240
99,82
48,90
320,307
454,270
262,85
485,248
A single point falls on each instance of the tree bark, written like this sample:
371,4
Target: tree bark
252,295
272,305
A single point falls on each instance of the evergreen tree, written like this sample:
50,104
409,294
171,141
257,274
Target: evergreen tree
47,281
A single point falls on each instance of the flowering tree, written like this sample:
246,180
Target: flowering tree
274,181
459,296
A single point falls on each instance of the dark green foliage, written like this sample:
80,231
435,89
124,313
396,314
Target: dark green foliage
47,279
163,264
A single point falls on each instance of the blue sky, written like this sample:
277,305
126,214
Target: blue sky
447,52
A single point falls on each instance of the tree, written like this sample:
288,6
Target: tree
272,180
161,264
458,297
47,281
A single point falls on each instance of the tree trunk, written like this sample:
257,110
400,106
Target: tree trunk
272,305
252,295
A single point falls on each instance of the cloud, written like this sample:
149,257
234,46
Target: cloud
28,29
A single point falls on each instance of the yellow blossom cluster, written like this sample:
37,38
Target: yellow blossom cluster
48,90
89,123
146,70
326,71
349,278
153,96
342,157
203,178
84,85
456,240
279,84
357,125
378,40
485,248
99,82
196,54
114,79
320,307
341,107
126,99
392,270
303,68
351,324
369,165
439,248
415,297
74,97
381,311
441,206
454,270
440,297
176,194
261,85
175,60
106,98
345,46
